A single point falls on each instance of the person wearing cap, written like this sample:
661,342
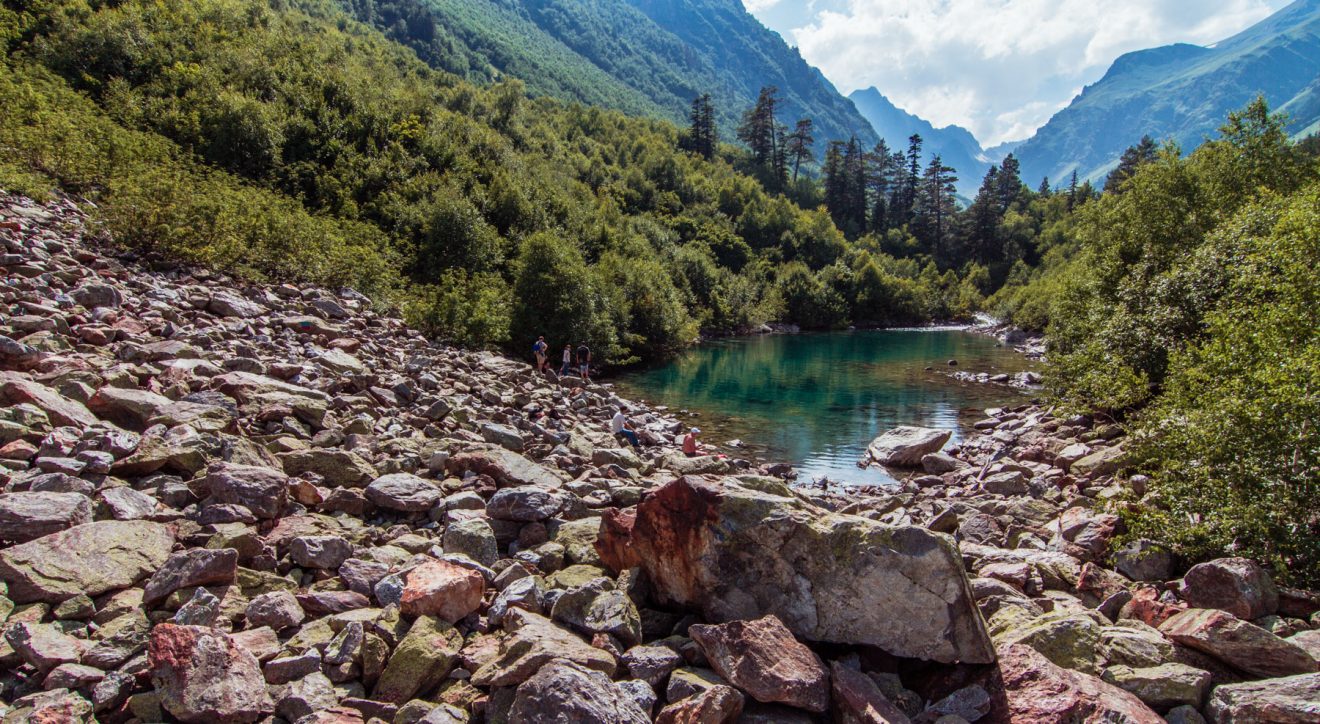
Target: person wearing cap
691,446
620,426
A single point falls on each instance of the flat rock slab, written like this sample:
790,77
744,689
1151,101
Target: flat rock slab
536,641
738,554
26,516
1238,643
904,447
61,410
92,558
1289,700
1035,690
403,492
506,467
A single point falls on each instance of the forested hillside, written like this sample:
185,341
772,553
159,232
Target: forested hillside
645,57
286,141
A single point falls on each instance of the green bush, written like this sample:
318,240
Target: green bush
1233,443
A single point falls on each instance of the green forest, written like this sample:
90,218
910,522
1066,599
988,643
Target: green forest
287,140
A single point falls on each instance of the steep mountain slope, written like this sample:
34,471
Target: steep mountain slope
955,145
1182,93
648,57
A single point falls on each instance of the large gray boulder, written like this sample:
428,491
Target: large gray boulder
403,492
92,558
904,447
565,692
737,553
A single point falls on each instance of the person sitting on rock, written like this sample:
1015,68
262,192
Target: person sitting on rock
620,426
692,446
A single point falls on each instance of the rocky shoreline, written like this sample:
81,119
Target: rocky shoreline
240,503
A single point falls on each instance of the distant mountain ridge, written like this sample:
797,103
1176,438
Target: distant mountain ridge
1182,93
644,57
955,145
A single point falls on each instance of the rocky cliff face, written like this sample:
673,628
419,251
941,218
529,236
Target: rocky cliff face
236,503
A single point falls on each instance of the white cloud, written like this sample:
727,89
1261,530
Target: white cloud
1000,68
756,6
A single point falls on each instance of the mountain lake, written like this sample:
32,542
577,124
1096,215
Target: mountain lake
817,400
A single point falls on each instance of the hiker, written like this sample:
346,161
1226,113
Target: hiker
539,350
691,446
620,426
584,361
568,360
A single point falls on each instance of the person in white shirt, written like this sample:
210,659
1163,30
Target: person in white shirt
620,426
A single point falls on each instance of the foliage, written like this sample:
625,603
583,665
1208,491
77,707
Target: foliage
287,141
1233,442
1146,289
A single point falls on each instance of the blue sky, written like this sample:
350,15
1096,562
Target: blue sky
1000,68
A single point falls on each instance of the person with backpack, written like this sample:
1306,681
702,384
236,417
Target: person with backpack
584,361
539,351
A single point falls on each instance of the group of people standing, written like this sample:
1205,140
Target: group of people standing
541,351
619,424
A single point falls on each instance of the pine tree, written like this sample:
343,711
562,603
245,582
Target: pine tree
703,138
912,182
760,130
1044,189
854,168
936,210
799,145
984,219
880,183
1072,191
1008,183
835,181
1132,159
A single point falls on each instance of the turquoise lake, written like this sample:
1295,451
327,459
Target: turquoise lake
817,400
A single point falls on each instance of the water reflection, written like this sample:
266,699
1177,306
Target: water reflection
817,400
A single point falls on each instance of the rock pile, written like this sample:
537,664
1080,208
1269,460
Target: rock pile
271,503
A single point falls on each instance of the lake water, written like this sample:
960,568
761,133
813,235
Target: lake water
817,400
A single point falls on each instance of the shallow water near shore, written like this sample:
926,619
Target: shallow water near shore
817,400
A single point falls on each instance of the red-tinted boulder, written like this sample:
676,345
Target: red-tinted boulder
762,658
858,700
1236,585
201,675
716,705
614,543
1035,690
442,589
1237,643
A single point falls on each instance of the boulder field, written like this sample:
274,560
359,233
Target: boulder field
225,502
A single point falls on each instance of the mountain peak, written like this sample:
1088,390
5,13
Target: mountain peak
1182,93
955,145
